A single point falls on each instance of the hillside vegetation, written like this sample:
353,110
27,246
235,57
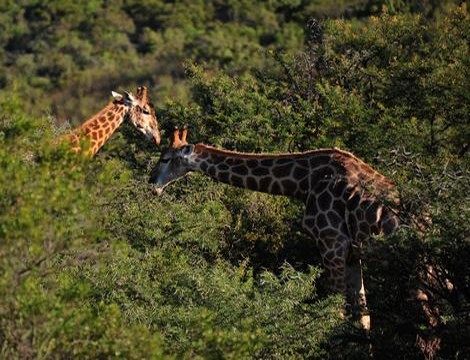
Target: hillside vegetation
92,265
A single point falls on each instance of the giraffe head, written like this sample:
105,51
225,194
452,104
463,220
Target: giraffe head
174,162
141,112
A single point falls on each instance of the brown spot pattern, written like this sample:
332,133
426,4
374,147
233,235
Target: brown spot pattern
338,206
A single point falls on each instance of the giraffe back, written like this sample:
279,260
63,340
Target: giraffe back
348,196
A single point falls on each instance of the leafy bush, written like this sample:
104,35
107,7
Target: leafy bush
93,266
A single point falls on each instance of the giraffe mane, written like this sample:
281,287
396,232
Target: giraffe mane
339,154
243,155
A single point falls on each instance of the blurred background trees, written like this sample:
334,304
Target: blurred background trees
92,265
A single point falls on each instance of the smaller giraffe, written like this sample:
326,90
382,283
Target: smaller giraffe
99,128
342,196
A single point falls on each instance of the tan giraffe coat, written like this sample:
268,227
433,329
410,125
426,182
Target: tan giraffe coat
99,128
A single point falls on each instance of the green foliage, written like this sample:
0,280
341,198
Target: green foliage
44,214
92,265
433,190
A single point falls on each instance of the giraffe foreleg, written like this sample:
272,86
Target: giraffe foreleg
345,274
356,295
343,267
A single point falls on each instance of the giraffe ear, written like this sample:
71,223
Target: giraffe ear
175,138
129,98
117,96
184,135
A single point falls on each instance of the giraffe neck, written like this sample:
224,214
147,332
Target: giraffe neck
295,175
99,128
274,174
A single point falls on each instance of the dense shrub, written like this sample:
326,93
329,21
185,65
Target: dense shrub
94,266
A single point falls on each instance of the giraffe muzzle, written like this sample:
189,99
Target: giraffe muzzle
157,191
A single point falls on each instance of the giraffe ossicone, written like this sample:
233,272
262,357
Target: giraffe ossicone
99,128
343,197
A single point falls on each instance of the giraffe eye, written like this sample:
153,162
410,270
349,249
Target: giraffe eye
146,112
187,150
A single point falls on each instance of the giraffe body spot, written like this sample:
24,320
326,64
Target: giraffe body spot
322,247
223,176
320,186
324,201
338,261
282,170
240,169
339,207
299,173
283,161
339,187
216,159
204,166
304,184
322,174
267,162
352,224
236,180
321,221
330,256
235,162
275,188
252,163
264,183
329,234
330,241
260,171
312,205
334,219
289,186
251,183
319,160
212,171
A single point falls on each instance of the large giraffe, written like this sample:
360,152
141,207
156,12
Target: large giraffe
343,196
99,128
